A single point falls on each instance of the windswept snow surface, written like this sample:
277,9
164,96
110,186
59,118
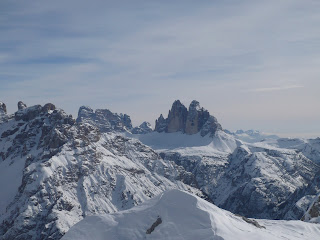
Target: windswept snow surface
186,217
220,142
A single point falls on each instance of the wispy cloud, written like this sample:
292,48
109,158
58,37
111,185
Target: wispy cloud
137,57
272,89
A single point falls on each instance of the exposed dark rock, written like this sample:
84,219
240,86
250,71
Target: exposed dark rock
29,113
192,121
3,107
210,126
161,124
197,117
104,119
144,128
48,107
251,221
154,225
21,105
177,117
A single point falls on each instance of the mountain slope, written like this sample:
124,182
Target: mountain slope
55,171
179,215
262,179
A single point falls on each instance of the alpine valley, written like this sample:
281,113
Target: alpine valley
56,171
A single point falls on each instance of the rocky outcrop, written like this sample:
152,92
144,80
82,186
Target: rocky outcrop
177,117
161,124
48,107
104,119
313,213
144,128
3,108
192,121
28,114
3,112
210,126
21,105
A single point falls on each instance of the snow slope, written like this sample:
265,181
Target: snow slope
220,142
178,215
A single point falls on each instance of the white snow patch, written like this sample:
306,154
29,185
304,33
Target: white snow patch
185,217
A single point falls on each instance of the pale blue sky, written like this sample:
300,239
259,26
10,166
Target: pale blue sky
253,64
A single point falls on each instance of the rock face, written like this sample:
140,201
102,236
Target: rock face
3,112
104,119
191,121
21,105
161,124
48,107
254,182
144,128
177,117
3,108
313,213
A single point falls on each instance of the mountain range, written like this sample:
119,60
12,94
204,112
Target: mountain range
56,170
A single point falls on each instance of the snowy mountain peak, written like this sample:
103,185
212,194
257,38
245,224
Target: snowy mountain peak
144,128
29,113
179,215
104,119
190,121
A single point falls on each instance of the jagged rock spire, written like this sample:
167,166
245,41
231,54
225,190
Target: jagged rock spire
3,107
177,117
144,128
21,105
192,121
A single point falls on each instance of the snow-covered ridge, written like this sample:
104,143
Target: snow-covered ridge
178,215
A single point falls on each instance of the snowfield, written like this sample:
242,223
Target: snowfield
178,215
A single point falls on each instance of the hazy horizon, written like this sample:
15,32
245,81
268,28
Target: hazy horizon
252,64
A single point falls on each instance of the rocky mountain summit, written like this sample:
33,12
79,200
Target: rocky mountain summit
3,112
144,128
3,108
104,119
190,121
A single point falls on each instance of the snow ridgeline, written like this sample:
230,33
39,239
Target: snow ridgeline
178,215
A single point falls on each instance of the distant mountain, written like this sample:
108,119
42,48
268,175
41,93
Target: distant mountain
179,215
144,128
190,121
104,119
252,136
